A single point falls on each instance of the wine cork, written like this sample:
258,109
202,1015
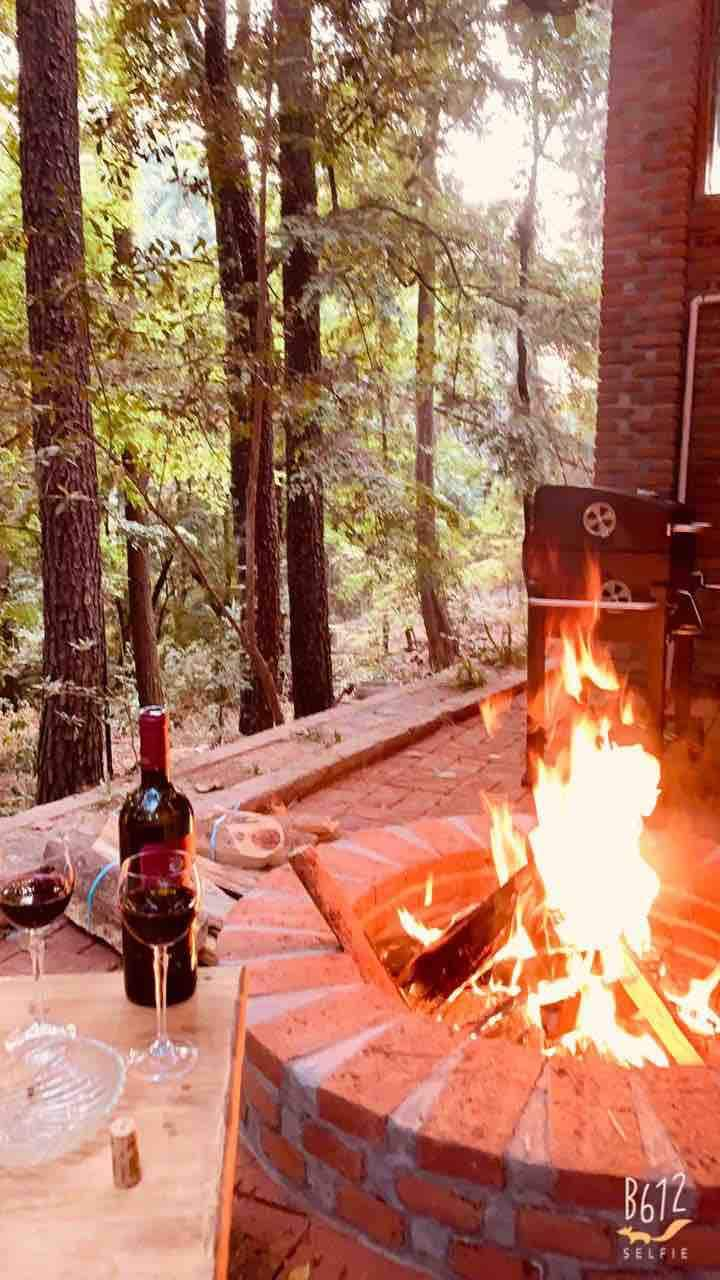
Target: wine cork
125,1152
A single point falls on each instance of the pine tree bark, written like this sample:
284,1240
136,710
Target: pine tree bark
141,614
70,749
236,232
526,233
442,648
307,581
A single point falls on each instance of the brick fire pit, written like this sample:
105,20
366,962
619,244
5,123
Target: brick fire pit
467,1157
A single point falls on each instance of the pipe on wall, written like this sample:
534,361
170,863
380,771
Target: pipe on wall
700,300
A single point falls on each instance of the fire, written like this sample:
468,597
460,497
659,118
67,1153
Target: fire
592,795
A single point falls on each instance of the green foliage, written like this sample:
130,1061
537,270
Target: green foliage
159,381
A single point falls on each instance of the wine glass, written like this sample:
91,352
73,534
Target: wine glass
35,889
158,895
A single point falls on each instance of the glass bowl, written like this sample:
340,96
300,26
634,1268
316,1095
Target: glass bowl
54,1095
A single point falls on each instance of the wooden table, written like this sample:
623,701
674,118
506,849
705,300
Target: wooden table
66,1220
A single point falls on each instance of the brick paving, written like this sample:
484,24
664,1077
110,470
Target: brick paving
442,775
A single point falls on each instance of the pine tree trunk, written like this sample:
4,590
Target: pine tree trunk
307,580
236,231
441,645
141,614
526,231
71,730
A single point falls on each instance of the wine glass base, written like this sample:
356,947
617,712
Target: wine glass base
34,1030
162,1062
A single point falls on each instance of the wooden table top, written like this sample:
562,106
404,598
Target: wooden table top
66,1220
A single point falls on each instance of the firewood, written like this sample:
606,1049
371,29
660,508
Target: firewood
655,1012
337,910
469,944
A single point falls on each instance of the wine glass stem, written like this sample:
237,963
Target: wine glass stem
37,956
160,965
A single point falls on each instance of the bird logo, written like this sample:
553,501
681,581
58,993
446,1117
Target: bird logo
643,1237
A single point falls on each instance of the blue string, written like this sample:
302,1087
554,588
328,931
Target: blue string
213,832
93,887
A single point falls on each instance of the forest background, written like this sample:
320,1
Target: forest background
280,351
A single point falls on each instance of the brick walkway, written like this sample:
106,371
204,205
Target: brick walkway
444,774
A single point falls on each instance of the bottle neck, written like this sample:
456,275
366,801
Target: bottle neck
157,778
154,748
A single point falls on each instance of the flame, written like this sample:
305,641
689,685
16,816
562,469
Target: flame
507,844
415,928
694,1007
592,795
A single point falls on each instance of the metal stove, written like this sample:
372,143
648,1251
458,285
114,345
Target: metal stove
644,549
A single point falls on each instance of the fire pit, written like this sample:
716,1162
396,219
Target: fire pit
470,1157
451,1126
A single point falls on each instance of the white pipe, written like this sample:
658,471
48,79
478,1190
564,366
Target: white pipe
701,300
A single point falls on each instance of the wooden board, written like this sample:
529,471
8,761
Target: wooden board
66,1220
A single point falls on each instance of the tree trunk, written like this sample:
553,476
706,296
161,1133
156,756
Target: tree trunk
526,230
141,615
140,606
71,729
307,581
236,230
442,648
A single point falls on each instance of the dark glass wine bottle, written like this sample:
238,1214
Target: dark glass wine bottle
157,814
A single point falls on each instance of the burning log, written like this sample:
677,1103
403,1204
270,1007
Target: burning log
655,1012
432,976
337,910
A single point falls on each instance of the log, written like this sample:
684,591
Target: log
336,909
655,1012
431,977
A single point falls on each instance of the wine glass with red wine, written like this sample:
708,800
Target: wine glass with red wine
35,889
159,893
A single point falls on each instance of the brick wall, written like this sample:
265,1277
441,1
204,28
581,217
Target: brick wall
662,248
650,174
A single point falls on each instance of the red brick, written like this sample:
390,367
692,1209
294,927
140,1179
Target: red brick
372,1216
324,1143
702,1244
432,1200
391,844
486,1260
283,1155
244,947
271,1045
470,1126
685,1097
271,977
594,1137
359,1096
261,1097
555,1233
444,836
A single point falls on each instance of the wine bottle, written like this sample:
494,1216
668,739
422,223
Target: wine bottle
157,814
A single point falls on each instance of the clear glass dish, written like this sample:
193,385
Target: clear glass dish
54,1095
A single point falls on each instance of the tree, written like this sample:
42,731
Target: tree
441,647
140,611
307,584
237,242
71,738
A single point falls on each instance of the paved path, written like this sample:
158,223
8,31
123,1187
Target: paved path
442,774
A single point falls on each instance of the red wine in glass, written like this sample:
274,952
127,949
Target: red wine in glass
158,895
34,891
159,917
37,898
